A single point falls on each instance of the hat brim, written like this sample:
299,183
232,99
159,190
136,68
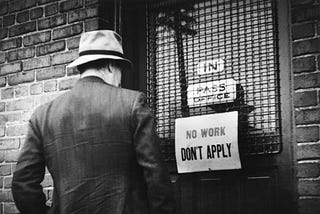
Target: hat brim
88,58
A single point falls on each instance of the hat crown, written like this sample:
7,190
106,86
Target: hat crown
102,40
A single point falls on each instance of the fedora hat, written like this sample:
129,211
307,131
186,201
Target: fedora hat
99,44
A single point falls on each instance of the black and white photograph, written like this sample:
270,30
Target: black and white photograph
159,106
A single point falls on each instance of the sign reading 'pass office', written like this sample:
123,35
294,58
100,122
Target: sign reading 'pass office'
207,142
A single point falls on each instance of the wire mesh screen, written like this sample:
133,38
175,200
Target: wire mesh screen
214,56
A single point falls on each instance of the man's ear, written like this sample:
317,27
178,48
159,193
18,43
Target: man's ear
109,67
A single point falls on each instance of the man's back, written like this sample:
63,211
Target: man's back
99,145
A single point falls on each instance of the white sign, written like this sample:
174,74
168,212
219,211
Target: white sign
207,142
210,66
208,93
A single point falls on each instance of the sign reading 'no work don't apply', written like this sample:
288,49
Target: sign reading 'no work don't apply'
207,142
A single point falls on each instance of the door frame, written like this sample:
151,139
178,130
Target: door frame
133,29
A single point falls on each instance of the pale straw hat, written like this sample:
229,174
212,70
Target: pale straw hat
100,44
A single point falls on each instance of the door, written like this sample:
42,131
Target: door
186,53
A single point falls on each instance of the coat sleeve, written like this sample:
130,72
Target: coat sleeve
149,157
26,188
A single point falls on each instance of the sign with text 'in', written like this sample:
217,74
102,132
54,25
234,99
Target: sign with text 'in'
213,92
207,142
210,66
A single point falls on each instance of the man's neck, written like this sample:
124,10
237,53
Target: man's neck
100,74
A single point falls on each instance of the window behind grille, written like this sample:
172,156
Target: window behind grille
240,38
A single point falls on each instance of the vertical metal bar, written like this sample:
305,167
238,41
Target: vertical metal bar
181,64
117,16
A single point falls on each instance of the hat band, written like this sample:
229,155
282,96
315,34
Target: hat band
104,52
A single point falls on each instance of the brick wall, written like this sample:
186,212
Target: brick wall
306,68
38,38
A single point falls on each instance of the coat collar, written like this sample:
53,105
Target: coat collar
92,79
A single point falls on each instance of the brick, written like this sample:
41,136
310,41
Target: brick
10,208
303,30
20,104
96,24
10,68
13,165
307,134
9,143
26,116
22,28
23,53
47,181
50,86
67,84
306,98
18,5
307,81
10,44
8,20
11,156
2,131
7,182
304,64
308,170
305,13
4,8
21,91
50,73
6,119
306,47
3,33
51,48
308,151
50,194
23,16
72,71
37,38
5,170
17,130
70,5
36,13
21,77
309,187
36,88
2,58
67,31
7,93
66,57
51,9
6,196
309,206
52,21
79,15
40,2
73,43
2,106
3,119
3,81
39,62
308,116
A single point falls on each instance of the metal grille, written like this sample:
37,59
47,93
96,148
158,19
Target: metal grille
200,50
